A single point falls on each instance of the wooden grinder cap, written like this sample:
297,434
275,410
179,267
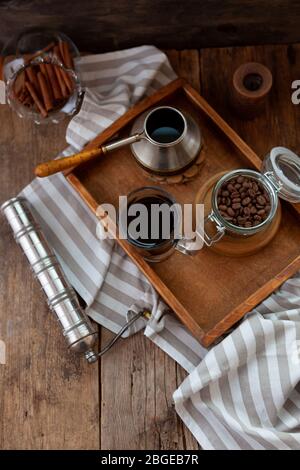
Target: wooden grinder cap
251,84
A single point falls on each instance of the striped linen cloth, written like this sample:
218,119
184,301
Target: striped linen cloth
107,280
244,393
241,394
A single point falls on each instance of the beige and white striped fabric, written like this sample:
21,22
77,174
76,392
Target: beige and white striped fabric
105,278
244,392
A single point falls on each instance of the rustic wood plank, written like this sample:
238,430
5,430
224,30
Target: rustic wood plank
277,124
186,63
49,398
137,378
138,381
108,25
41,407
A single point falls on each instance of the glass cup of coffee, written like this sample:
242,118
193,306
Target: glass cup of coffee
152,223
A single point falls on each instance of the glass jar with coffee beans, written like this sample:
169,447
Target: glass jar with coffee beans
244,202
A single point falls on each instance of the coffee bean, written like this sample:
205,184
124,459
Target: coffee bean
261,200
246,201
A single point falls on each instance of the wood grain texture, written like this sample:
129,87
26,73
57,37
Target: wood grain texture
138,379
277,123
66,163
49,398
276,126
43,406
108,25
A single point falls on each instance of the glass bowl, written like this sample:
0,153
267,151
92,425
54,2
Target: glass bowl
67,107
34,48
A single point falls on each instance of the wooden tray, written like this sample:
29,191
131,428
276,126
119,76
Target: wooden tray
208,292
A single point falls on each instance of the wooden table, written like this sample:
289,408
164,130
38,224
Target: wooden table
50,399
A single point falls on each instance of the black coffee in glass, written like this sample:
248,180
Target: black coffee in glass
152,231
152,236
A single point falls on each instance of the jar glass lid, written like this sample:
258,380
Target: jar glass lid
282,166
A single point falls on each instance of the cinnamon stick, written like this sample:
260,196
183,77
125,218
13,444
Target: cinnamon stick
58,55
40,52
45,86
68,81
48,103
44,72
36,99
31,75
61,81
23,95
61,50
53,81
43,69
66,78
67,56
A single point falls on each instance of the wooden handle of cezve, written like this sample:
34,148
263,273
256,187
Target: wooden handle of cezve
61,164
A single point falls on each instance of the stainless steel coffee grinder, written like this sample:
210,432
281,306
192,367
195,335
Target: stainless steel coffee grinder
79,333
